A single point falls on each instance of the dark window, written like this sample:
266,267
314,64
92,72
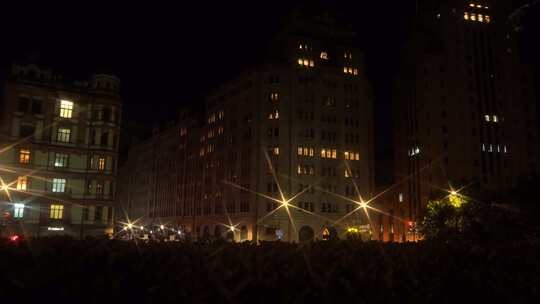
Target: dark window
99,213
85,214
27,131
107,114
23,104
104,138
36,106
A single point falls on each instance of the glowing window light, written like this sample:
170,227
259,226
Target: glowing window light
56,212
18,210
334,153
346,155
311,63
472,5
22,182
59,185
495,118
487,118
478,6
357,156
504,149
480,18
466,16
484,147
324,55
300,62
345,70
473,17
355,72
323,153
300,151
487,18
24,156
66,108
101,163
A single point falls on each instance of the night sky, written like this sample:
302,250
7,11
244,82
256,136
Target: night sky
172,55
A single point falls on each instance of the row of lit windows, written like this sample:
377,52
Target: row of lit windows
274,115
494,148
305,170
351,155
414,151
211,133
329,153
274,96
350,70
478,6
306,62
58,185
324,55
491,118
55,211
61,160
305,151
478,18
212,117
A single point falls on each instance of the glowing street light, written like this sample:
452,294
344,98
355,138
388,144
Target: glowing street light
130,225
161,227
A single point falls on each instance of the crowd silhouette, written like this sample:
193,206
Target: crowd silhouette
57,270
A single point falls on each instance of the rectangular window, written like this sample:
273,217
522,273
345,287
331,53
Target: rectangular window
61,160
99,188
57,212
273,115
101,163
274,97
24,156
66,109
18,210
22,106
22,182
59,185
274,151
98,214
63,135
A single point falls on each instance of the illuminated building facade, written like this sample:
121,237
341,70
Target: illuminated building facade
59,153
464,108
307,112
298,125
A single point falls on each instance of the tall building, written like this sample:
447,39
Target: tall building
464,106
58,155
297,125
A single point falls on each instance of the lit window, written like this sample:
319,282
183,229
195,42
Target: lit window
274,96
473,17
323,153
24,156
311,63
478,6
495,118
18,210
57,212
274,151
480,18
466,16
334,153
487,18
220,130
273,115
221,114
471,5
61,160
66,108
348,173
300,151
22,182
63,135
99,188
504,149
346,155
357,156
59,185
300,61
324,55
487,118
355,72
101,163
400,197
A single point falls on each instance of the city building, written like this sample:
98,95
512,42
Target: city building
464,109
286,147
58,154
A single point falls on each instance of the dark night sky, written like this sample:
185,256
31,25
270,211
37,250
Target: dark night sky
171,55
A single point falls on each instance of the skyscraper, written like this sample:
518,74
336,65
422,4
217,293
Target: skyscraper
464,107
